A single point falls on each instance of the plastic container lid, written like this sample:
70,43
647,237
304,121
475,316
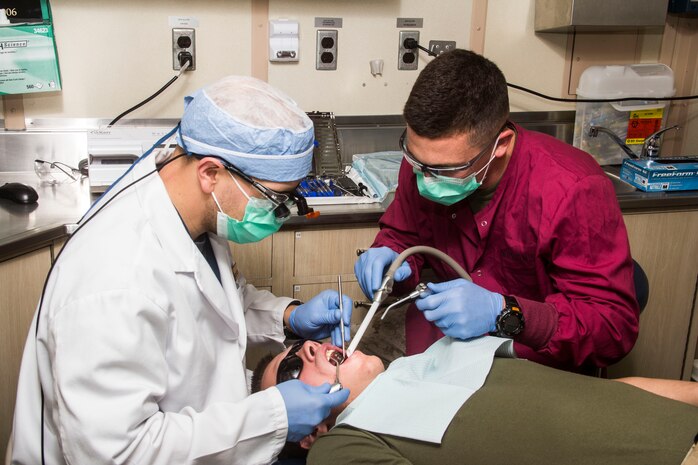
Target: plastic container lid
621,81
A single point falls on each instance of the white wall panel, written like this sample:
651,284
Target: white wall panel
114,54
369,32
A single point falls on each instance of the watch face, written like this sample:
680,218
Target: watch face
510,323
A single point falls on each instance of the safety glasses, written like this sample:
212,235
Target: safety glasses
291,365
439,170
55,172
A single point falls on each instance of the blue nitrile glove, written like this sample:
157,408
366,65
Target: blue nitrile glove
460,308
307,406
319,317
372,265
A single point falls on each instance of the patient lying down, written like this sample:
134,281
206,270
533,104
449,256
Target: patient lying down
525,413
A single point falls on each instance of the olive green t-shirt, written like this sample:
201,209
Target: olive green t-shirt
531,414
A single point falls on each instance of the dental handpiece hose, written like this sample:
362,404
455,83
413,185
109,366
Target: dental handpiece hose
387,285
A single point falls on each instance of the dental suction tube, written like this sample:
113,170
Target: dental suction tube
388,281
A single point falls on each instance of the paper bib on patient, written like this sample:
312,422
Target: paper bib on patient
418,396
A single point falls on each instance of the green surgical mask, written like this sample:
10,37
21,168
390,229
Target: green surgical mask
257,223
447,190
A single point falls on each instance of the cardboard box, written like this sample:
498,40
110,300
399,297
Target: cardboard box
28,57
661,174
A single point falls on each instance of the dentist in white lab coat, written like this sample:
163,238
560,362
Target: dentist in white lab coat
137,351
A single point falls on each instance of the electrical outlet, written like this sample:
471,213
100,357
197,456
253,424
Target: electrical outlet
326,49
407,58
440,46
183,42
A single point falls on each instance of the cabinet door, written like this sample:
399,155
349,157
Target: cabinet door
21,281
254,261
664,245
57,246
329,252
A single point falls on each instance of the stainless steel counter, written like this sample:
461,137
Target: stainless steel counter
27,227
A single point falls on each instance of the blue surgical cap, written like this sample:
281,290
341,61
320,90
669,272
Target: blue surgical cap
251,125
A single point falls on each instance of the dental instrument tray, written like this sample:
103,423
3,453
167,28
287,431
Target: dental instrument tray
330,182
661,174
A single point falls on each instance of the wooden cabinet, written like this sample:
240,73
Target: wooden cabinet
314,257
254,261
665,245
22,280
301,263
327,252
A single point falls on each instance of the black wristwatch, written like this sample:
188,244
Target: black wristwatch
511,321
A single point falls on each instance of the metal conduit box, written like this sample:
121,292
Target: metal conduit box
599,15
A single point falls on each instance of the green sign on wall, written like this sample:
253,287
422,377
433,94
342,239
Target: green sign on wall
28,56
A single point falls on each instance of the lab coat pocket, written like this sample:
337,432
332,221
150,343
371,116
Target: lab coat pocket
230,331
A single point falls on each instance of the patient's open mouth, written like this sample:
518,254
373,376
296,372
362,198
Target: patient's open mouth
334,356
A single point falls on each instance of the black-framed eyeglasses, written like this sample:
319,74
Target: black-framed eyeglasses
440,170
291,365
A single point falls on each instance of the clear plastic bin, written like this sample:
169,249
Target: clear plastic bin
631,121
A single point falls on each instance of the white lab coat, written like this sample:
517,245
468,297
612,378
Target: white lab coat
141,350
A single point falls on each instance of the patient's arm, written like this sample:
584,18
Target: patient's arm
684,391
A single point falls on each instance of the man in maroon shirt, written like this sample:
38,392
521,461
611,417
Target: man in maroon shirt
534,221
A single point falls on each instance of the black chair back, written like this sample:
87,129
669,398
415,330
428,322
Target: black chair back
642,285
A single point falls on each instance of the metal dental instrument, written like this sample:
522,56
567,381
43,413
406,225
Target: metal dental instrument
418,291
387,286
337,384
341,317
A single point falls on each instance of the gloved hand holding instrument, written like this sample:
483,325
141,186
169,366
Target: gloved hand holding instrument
369,268
460,308
371,265
320,316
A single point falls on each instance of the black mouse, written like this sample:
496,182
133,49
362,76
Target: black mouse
18,192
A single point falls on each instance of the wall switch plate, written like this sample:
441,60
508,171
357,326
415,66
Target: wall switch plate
326,49
183,40
407,59
440,46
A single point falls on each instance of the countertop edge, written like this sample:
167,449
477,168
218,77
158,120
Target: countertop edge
33,239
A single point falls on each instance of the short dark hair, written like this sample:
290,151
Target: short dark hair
256,383
458,91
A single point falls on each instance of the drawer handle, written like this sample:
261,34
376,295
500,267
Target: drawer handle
360,251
